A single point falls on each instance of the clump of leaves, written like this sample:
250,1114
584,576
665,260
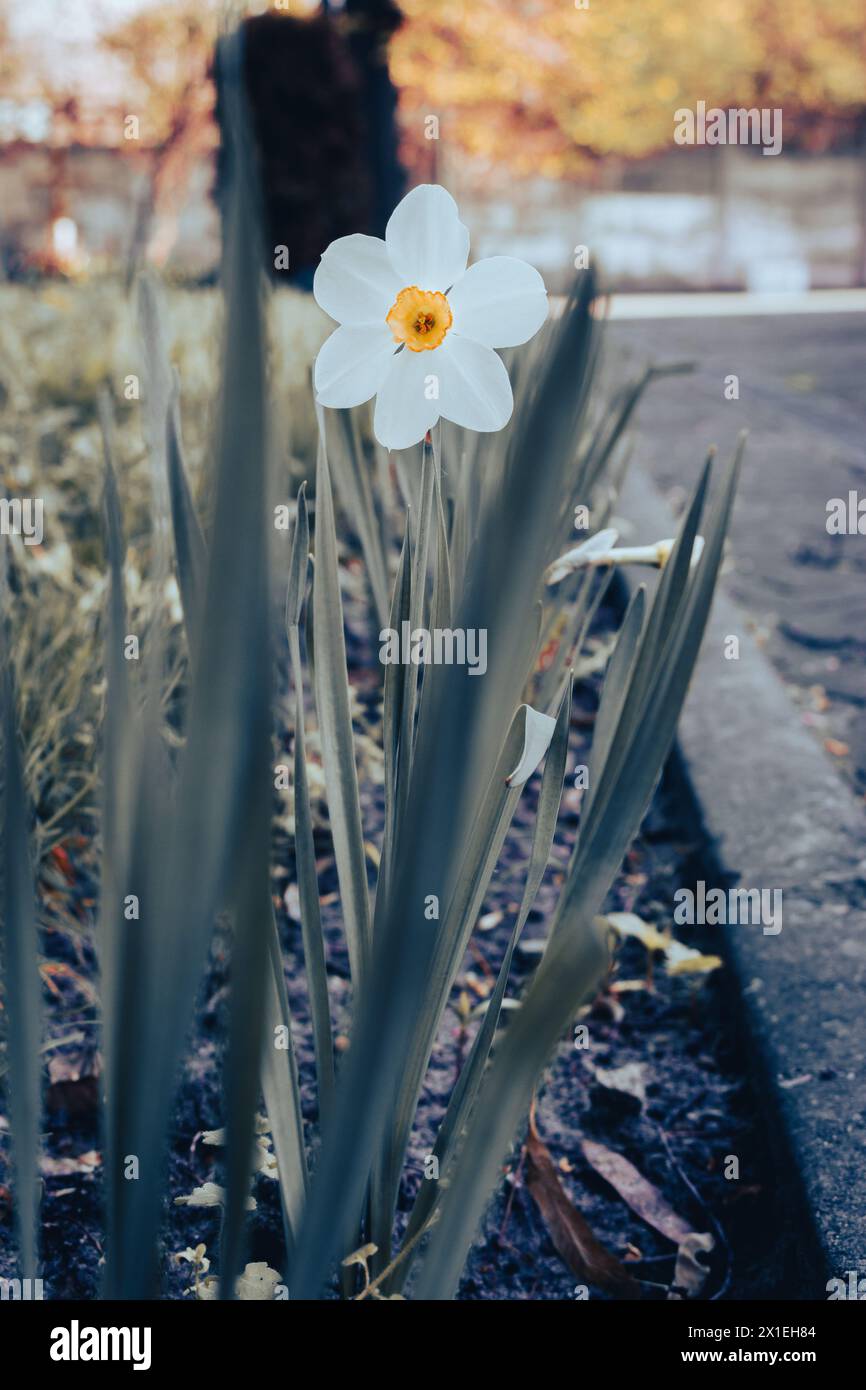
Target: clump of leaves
186,827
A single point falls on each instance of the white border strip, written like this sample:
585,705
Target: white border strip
735,304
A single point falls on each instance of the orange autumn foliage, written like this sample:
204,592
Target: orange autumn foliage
545,87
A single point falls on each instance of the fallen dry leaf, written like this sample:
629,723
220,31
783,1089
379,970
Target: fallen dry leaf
257,1282
570,1232
491,920
684,960
644,1199
629,1079
795,1081
689,1274
629,924
210,1194
74,1163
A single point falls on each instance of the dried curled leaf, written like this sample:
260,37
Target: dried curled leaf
627,1080
216,1138
575,1243
195,1257
258,1283
266,1159
629,924
361,1256
70,1164
679,958
690,1275
210,1194
683,960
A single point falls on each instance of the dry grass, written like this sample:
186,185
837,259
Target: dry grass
60,345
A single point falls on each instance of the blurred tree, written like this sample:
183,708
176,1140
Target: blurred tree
323,111
7,60
369,25
140,86
165,51
551,87
307,114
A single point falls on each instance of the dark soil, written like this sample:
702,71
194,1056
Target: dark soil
699,1108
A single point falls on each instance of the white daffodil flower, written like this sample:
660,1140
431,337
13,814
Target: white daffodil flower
417,329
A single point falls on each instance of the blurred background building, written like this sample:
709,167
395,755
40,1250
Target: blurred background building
552,122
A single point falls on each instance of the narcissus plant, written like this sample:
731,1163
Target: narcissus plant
417,328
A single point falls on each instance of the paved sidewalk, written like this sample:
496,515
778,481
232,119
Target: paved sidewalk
802,396
734,304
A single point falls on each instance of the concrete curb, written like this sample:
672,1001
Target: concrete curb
776,815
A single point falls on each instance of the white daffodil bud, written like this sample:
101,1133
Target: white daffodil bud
600,550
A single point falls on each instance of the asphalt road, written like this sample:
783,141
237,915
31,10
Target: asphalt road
802,397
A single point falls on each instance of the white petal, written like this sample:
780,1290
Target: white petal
500,301
352,364
355,282
427,242
403,413
597,549
474,388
